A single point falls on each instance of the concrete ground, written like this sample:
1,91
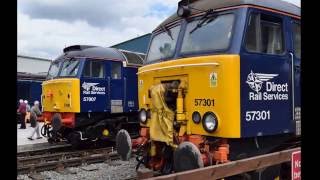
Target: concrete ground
23,134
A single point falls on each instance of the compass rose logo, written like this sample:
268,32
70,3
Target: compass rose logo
255,80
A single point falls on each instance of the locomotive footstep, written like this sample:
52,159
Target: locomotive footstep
187,156
123,145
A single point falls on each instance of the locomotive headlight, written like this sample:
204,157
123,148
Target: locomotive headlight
143,116
210,122
196,117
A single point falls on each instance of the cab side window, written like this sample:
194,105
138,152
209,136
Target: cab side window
94,69
116,71
97,69
264,34
87,69
297,39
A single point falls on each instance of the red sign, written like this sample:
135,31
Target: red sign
296,165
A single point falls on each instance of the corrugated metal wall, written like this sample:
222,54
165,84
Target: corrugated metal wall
139,44
32,65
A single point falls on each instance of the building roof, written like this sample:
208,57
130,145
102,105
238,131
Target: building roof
278,5
138,44
31,76
133,39
30,57
97,52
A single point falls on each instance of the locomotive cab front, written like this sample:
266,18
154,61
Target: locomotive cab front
217,84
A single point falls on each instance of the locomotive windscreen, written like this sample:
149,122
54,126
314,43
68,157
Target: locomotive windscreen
133,58
142,56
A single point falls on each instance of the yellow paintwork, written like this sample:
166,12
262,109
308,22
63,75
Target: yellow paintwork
180,111
60,88
195,72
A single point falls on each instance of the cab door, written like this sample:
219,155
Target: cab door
115,86
93,86
296,62
265,76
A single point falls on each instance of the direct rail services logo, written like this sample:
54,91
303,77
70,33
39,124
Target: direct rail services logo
92,88
273,91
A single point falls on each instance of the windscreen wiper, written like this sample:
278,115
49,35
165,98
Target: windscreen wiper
168,31
204,18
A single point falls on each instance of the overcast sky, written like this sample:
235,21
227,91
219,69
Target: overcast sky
45,27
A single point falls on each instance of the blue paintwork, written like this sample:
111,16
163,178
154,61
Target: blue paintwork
124,89
29,90
281,119
131,88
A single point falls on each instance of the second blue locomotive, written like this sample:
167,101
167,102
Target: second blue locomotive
91,93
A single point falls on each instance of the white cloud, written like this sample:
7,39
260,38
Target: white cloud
46,38
295,2
46,35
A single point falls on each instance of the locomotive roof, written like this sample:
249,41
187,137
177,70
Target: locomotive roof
128,57
278,5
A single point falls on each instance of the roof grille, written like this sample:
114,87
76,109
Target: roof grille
76,48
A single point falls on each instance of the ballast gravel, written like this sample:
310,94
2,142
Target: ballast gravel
101,171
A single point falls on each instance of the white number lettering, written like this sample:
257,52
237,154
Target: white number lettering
90,99
257,115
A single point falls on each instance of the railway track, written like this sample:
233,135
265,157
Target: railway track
42,148
61,160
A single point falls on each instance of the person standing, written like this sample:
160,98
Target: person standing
27,118
34,114
22,110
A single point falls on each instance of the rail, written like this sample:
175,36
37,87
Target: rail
60,160
41,148
227,169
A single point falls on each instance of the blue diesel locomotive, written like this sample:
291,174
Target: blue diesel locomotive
90,93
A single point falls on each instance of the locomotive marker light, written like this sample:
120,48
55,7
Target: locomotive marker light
196,117
143,116
210,122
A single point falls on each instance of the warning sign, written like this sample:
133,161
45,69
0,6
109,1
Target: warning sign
296,165
213,79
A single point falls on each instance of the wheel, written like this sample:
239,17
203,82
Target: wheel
186,157
123,144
